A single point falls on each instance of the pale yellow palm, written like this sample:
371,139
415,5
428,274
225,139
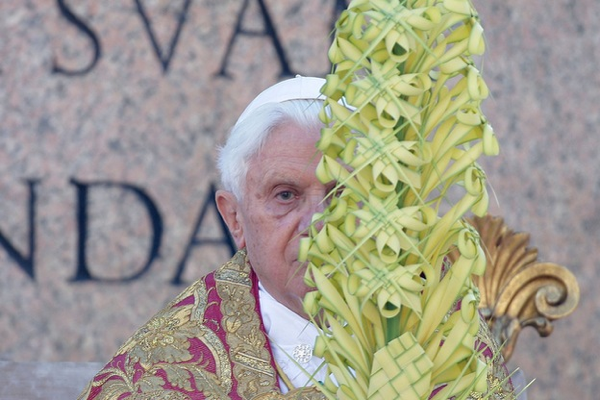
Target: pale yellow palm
411,132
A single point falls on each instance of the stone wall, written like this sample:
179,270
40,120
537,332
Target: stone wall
110,113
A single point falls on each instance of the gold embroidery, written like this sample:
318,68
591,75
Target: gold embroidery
501,392
236,276
163,344
160,394
200,303
497,378
251,360
221,359
310,393
110,389
257,364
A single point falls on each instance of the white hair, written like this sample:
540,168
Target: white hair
249,135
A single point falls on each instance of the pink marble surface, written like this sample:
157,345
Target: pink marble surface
128,121
45,380
542,69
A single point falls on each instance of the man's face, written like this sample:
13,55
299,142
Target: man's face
281,195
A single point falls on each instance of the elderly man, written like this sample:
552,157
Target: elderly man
240,332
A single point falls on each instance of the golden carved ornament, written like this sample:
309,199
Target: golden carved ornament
517,290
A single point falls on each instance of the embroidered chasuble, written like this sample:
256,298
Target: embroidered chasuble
210,343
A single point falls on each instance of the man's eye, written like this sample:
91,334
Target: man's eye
285,195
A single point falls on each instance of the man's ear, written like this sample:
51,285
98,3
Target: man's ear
229,208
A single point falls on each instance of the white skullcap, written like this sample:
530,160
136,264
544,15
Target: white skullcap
298,88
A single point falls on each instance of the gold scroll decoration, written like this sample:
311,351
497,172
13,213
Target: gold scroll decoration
517,290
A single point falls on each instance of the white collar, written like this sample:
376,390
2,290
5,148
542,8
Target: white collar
292,339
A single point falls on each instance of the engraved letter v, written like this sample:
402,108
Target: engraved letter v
164,57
